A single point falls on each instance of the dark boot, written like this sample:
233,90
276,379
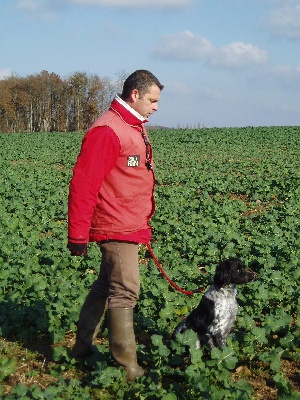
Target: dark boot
122,341
88,326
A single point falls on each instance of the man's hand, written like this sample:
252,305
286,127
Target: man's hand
78,249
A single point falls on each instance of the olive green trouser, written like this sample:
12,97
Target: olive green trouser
119,279
117,286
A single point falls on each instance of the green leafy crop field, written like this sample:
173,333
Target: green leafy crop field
220,193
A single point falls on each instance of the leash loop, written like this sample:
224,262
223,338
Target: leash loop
187,292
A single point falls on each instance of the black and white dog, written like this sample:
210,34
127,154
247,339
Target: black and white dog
217,310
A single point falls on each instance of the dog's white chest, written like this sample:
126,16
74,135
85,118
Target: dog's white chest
225,308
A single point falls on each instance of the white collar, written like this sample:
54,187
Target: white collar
127,106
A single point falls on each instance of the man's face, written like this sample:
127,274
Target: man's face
147,104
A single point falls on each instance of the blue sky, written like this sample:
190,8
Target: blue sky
224,63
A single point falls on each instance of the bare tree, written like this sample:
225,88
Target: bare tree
45,102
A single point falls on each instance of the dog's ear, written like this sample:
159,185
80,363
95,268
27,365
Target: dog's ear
223,274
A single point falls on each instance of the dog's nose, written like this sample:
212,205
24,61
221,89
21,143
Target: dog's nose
254,275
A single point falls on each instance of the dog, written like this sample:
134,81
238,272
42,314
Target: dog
216,313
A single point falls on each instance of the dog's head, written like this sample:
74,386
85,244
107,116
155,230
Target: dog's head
232,271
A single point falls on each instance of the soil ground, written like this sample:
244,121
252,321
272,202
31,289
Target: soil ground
34,363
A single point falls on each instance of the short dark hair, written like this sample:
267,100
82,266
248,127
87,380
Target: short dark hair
141,80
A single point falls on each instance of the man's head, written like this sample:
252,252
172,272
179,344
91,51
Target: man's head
141,90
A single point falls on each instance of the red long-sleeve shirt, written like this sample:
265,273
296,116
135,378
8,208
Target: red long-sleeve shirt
98,155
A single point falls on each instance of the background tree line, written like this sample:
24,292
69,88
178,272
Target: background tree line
45,102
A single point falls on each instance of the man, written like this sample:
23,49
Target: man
111,202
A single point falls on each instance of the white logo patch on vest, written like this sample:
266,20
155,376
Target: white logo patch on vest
133,161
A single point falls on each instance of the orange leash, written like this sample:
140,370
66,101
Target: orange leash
187,292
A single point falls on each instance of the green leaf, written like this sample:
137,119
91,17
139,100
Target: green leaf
162,349
225,357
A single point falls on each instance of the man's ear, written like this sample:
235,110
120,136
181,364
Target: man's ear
135,95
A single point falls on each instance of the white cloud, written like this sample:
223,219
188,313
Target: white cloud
212,93
184,46
287,70
28,5
177,88
37,8
5,73
285,21
288,75
290,108
48,9
238,54
190,47
285,78
136,3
